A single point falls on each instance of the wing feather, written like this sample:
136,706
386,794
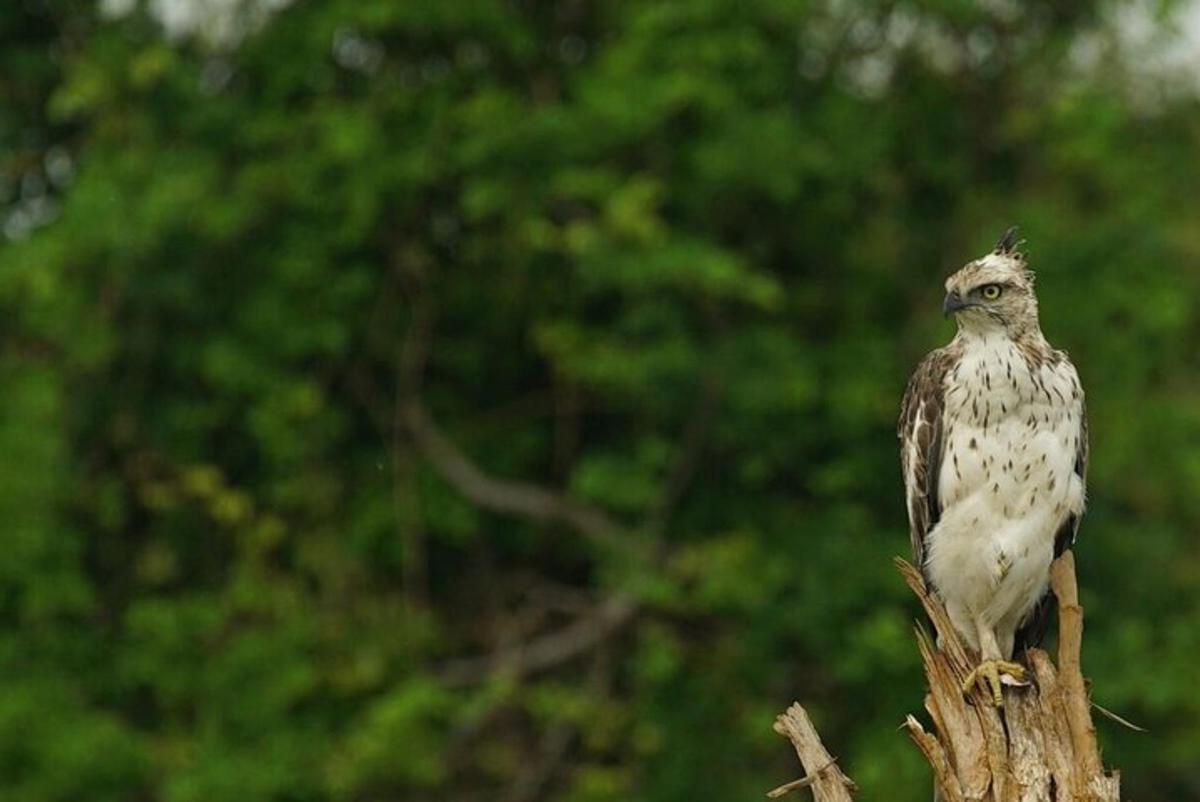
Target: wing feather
920,432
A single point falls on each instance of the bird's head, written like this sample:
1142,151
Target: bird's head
994,293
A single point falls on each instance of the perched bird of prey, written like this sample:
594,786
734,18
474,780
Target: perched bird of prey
993,441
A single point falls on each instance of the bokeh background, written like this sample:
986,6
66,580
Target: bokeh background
495,399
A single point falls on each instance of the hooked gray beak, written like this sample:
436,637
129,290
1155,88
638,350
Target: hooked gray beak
954,303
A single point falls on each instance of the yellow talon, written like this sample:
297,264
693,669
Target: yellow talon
990,670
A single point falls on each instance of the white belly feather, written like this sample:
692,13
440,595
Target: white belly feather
1007,484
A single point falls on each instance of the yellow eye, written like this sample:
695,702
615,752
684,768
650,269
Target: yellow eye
991,292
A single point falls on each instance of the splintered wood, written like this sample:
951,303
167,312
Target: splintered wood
827,781
1040,747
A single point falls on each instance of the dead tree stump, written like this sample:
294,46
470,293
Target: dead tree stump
1040,747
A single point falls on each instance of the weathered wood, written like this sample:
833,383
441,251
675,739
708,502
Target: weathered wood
796,785
826,779
1040,747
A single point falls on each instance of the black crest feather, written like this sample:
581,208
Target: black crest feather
1007,242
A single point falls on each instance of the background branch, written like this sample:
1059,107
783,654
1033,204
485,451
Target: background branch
530,501
508,497
544,651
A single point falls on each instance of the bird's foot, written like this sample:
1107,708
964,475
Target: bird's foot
995,673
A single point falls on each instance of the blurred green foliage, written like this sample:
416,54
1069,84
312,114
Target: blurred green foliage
673,260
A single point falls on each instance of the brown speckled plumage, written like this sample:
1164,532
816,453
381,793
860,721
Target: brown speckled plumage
1000,396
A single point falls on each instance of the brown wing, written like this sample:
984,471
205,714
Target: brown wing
920,434
1037,623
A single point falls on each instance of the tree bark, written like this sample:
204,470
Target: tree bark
1040,747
